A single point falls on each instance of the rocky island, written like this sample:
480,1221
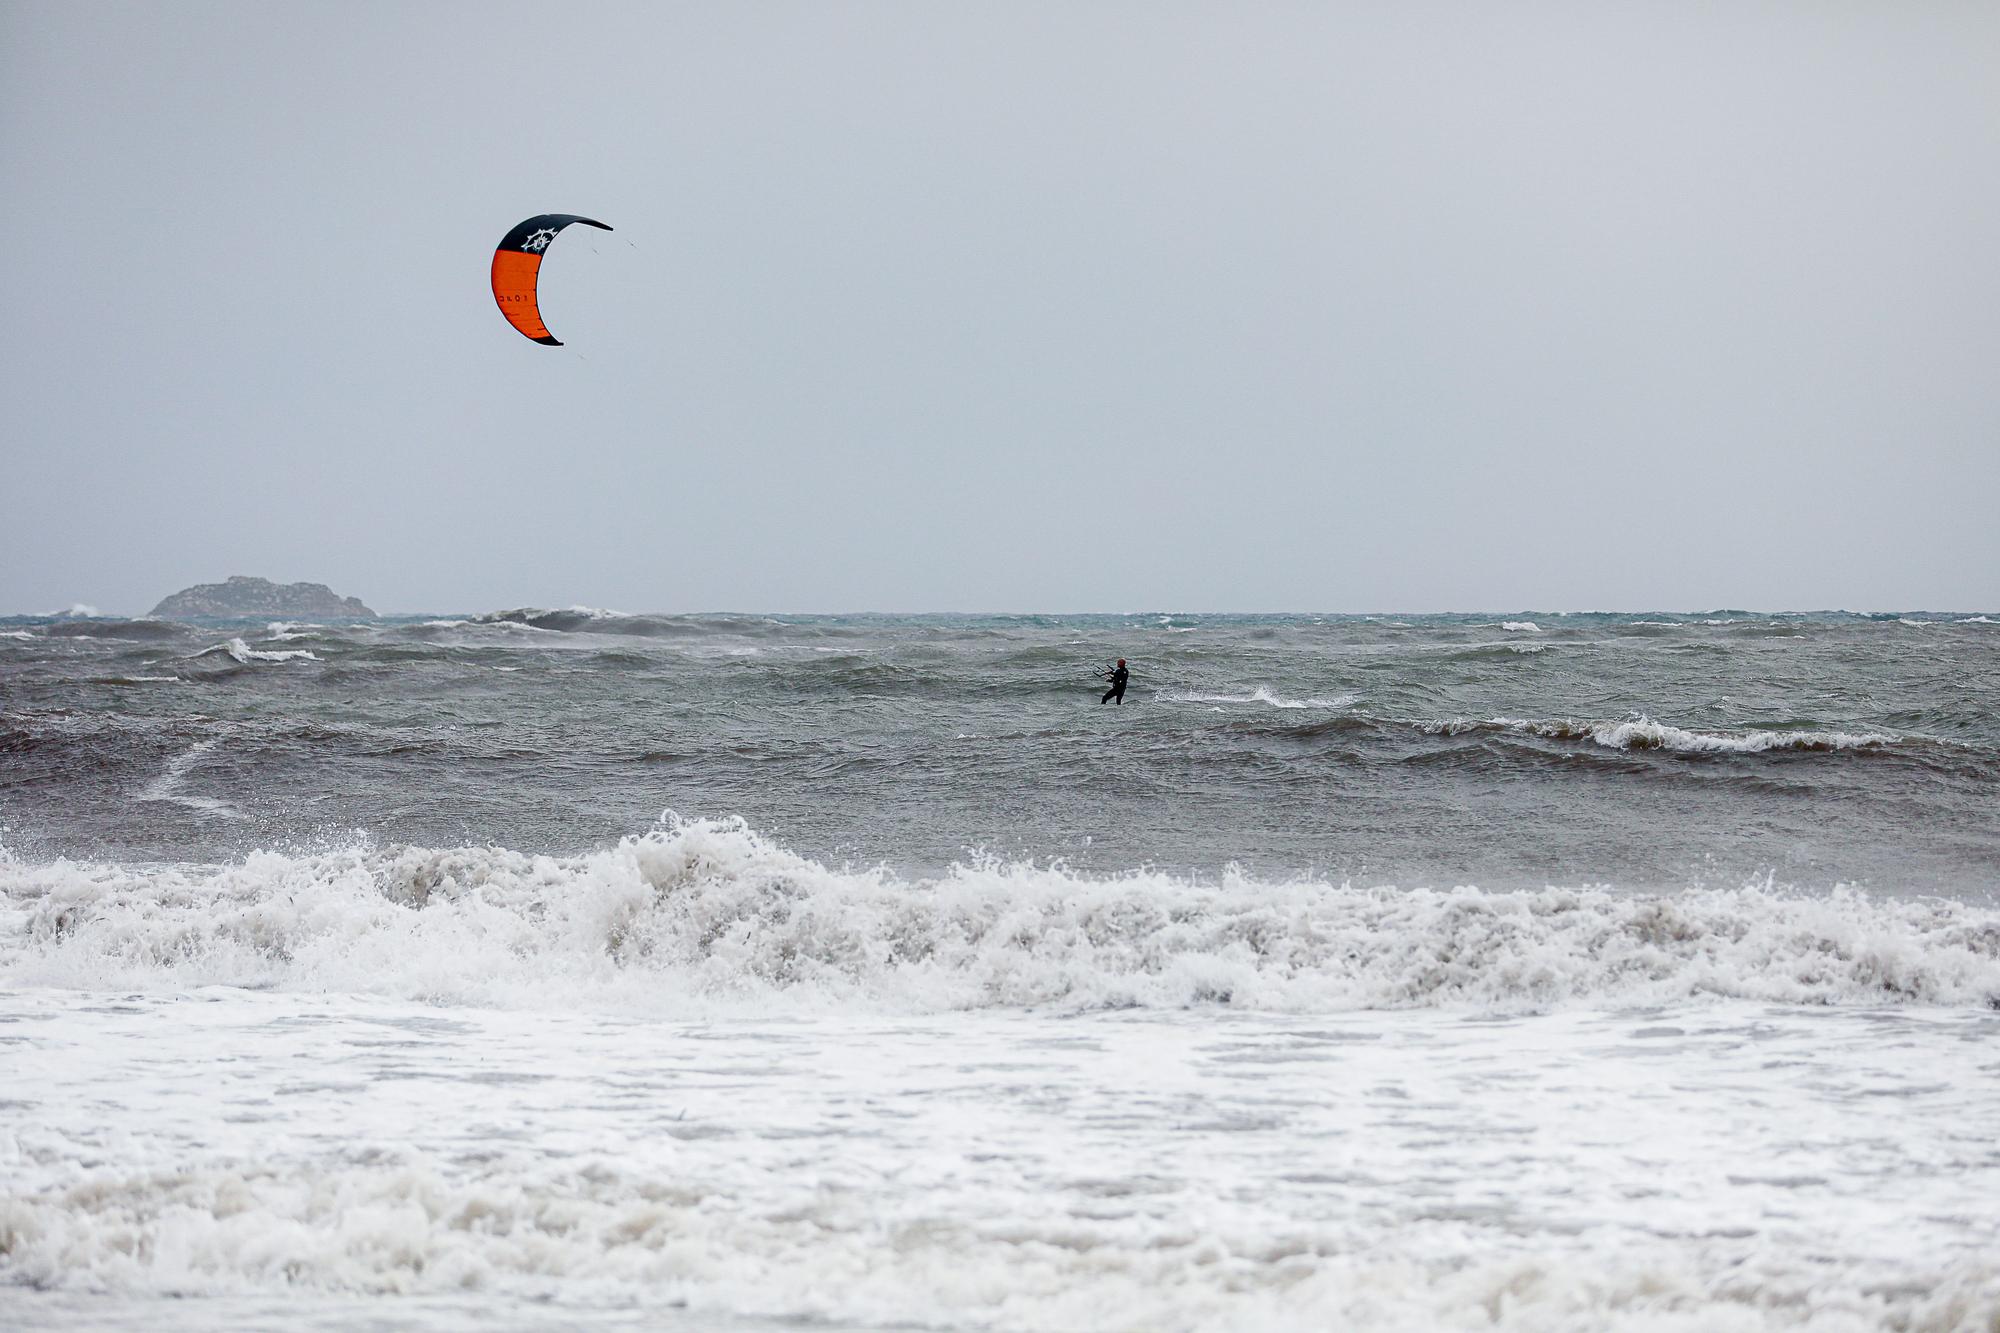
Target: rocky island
244,596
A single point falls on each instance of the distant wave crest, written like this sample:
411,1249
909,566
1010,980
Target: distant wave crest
1645,734
1261,695
239,651
594,620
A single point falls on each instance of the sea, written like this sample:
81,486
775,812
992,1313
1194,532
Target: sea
548,968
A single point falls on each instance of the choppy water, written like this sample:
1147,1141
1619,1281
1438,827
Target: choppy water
1612,971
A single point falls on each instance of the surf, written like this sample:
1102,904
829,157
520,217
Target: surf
701,913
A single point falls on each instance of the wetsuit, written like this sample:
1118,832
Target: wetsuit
1117,690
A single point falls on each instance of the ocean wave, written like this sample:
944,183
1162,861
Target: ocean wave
239,651
1645,734
699,914
480,623
280,631
1261,695
113,629
594,620
1521,626
570,619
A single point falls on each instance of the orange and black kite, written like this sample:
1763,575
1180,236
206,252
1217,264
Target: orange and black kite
515,265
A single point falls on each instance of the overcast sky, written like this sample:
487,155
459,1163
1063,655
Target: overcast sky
1332,307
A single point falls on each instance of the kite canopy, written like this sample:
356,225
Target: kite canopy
516,264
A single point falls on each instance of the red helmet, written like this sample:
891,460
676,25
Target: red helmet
1121,661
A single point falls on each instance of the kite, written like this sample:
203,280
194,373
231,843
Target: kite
516,264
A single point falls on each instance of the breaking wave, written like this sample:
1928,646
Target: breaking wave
281,631
1645,734
239,651
699,914
570,620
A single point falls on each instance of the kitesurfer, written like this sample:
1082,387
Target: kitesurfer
1117,676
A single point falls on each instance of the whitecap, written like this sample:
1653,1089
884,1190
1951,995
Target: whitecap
1261,695
240,651
1642,733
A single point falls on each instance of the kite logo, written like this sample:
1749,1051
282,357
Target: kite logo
517,262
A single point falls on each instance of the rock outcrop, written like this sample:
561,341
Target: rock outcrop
244,596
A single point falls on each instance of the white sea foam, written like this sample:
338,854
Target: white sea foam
17,634
285,630
239,651
564,620
611,1230
1001,1099
1261,695
1645,734
1521,626
600,613
702,913
588,612
168,786
521,626
1975,620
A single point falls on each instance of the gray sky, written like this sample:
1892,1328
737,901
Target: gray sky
1007,307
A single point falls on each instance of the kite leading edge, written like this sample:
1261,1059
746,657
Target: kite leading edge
517,263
